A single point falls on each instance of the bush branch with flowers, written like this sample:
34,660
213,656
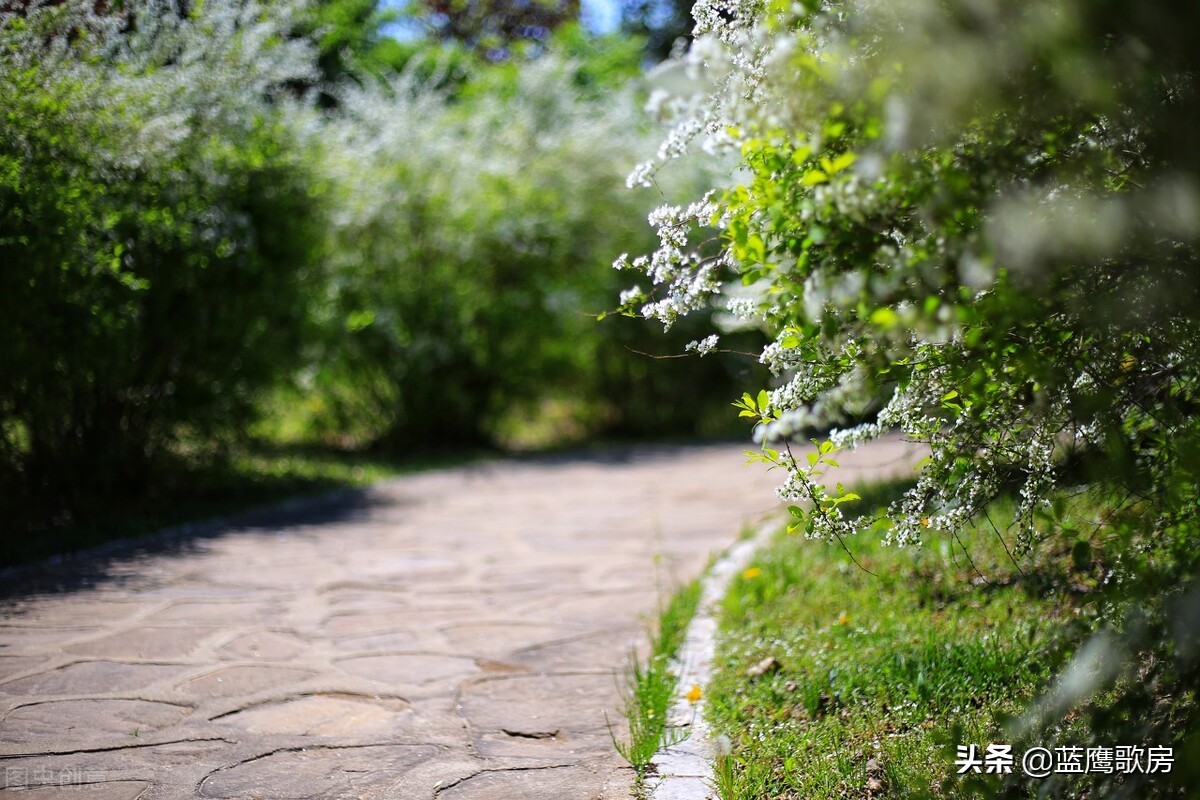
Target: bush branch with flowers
997,260
975,223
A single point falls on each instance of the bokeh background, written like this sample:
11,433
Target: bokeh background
252,249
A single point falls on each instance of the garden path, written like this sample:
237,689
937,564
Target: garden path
451,635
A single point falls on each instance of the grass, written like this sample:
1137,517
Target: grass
649,688
874,680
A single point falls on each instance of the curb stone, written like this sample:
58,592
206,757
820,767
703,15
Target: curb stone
683,771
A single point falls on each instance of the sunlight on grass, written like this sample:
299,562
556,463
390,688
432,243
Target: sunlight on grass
872,679
649,689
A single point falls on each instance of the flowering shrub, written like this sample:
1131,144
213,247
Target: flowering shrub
469,249
192,217
973,222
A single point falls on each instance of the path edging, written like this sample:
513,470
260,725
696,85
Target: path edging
683,771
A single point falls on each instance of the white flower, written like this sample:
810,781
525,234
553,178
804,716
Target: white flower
703,346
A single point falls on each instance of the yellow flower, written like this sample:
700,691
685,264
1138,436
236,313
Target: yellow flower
753,572
925,523
695,694
843,619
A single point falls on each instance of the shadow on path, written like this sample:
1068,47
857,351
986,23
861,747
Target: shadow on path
111,562
115,562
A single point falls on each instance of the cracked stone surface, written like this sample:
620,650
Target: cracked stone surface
451,635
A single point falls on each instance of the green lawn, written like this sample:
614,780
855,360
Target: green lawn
836,683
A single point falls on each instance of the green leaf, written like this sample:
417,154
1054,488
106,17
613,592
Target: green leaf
359,320
813,177
755,250
884,317
841,162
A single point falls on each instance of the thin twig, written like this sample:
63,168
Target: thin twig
1003,543
971,561
817,509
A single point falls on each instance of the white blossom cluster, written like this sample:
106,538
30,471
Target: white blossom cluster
737,81
177,72
684,280
703,346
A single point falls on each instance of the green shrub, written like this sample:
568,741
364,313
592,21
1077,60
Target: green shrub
157,228
470,252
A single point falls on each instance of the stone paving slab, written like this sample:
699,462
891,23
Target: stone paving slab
453,635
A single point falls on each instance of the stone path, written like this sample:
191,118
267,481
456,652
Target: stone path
451,635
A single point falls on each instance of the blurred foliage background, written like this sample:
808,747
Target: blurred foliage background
236,228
